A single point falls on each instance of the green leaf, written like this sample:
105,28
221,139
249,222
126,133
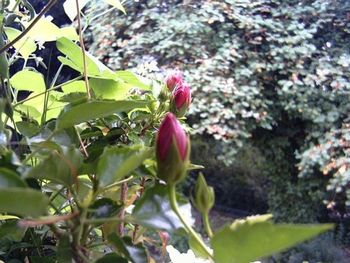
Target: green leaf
132,79
103,208
135,253
64,250
70,8
23,202
11,231
153,210
43,31
9,178
92,110
74,58
27,129
60,166
28,80
117,162
108,88
116,4
254,238
25,46
75,86
112,258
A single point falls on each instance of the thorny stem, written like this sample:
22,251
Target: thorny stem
190,230
81,40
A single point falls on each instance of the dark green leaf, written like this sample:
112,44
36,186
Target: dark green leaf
22,201
255,237
11,231
117,162
112,258
61,166
64,250
135,253
9,178
153,210
93,109
103,208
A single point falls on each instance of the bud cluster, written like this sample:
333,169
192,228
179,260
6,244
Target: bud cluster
180,93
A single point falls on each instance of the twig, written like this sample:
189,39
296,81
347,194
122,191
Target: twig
25,31
123,196
81,40
142,190
46,221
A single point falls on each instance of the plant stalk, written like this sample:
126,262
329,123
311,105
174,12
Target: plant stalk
190,230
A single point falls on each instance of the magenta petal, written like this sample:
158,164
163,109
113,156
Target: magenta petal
171,129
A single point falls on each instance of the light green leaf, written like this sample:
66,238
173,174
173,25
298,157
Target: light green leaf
116,4
75,86
43,31
108,88
69,32
90,110
254,238
23,202
132,79
28,80
25,46
74,58
117,162
71,9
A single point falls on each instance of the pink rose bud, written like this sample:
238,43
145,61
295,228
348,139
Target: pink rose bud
181,100
172,150
173,80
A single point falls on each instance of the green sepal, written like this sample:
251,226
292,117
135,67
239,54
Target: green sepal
173,169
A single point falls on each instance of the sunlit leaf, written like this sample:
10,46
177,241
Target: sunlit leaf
256,237
117,4
28,80
25,46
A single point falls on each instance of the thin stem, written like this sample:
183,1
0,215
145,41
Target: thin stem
81,40
25,31
190,230
123,196
142,190
44,92
206,224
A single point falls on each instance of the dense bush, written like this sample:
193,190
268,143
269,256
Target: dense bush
260,70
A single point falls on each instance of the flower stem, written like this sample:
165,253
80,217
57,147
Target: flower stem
206,224
190,230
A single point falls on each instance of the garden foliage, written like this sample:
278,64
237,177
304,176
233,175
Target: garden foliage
271,75
91,165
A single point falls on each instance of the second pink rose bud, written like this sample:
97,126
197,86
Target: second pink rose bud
181,100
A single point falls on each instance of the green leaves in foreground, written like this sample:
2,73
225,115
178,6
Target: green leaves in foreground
117,162
22,201
153,210
90,110
251,239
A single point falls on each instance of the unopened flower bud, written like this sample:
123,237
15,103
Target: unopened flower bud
173,80
181,100
172,150
204,195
